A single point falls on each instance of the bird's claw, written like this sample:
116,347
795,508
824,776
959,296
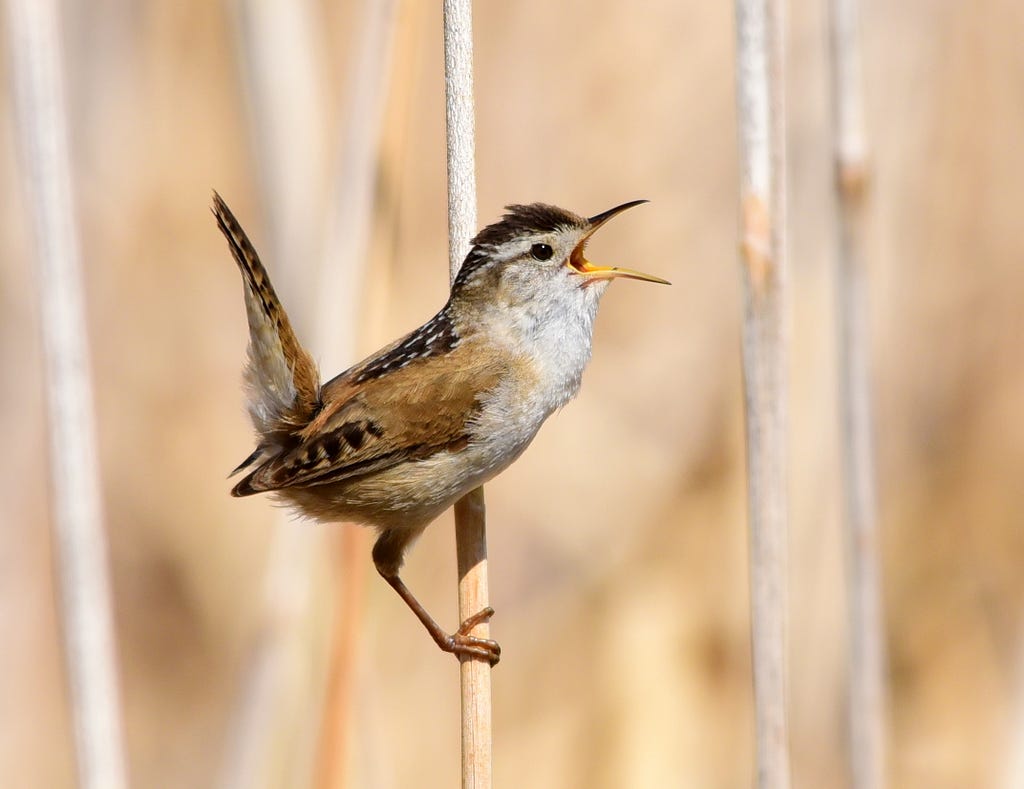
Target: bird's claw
461,643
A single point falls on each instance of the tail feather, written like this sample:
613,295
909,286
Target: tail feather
245,488
282,380
253,461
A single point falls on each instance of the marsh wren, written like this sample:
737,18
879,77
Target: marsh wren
395,440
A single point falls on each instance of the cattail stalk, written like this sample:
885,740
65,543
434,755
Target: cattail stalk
90,651
470,532
760,104
866,703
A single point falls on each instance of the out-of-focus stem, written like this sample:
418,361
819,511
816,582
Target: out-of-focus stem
761,107
282,77
866,630
336,731
341,287
90,651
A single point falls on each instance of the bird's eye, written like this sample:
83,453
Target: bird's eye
541,251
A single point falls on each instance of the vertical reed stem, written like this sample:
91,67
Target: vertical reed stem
343,273
470,532
866,647
278,38
471,547
90,651
282,78
760,100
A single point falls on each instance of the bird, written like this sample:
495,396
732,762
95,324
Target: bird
399,437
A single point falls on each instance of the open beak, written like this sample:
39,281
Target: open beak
583,266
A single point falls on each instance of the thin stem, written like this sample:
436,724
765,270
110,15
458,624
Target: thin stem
277,45
461,129
471,547
282,77
354,186
470,531
281,64
347,626
866,646
344,264
90,651
760,99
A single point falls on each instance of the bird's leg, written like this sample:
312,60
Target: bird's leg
458,643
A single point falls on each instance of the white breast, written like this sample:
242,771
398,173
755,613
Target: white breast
549,344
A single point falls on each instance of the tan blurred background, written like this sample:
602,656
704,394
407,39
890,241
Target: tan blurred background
618,542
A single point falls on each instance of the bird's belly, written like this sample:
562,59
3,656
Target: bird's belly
413,493
408,496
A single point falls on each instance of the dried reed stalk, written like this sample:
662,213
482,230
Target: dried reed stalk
90,651
282,76
760,103
276,38
866,646
470,530
341,286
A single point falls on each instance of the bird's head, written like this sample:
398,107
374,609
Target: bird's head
536,252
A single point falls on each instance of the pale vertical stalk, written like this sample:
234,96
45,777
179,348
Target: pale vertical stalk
283,80
276,40
866,646
282,72
461,129
341,290
760,105
90,652
471,549
470,532
353,189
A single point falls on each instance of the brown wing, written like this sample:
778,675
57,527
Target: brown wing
373,425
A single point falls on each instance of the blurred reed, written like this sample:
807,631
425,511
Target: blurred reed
347,234
866,650
282,75
761,118
275,40
90,650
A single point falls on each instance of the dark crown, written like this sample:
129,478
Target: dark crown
523,220
518,221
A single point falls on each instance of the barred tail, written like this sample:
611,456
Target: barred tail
282,380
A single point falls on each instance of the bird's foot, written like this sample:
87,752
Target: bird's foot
461,643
